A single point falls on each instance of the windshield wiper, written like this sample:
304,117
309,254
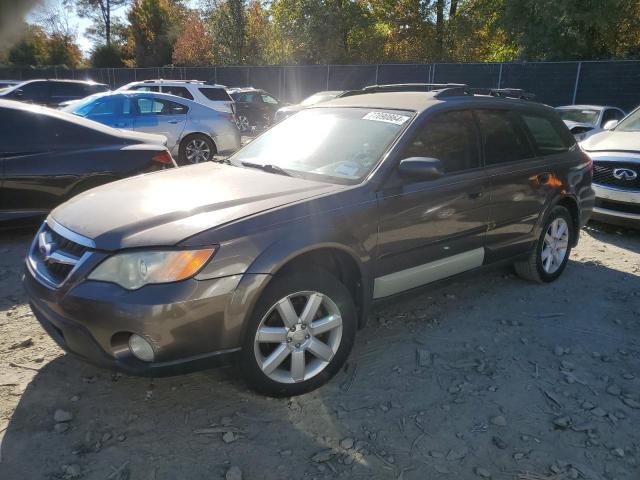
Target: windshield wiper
268,168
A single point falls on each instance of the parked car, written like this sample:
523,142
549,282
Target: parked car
585,120
47,157
255,108
194,133
277,257
8,83
51,93
314,99
211,95
616,171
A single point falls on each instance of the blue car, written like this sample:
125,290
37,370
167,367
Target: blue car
194,132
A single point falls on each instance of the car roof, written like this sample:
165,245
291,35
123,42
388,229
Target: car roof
161,81
63,80
59,114
585,107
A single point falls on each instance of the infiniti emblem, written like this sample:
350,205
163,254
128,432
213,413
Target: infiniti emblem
624,174
46,245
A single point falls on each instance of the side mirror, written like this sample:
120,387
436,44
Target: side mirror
421,168
610,124
18,93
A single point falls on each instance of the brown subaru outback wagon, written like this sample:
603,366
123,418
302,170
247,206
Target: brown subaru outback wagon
275,257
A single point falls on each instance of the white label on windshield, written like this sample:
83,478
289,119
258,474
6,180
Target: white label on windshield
386,117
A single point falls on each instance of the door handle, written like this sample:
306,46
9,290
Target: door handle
173,121
544,177
475,195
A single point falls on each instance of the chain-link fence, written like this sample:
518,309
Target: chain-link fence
614,83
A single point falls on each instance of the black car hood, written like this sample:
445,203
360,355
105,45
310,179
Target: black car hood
167,207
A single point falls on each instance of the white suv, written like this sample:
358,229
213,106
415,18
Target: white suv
214,96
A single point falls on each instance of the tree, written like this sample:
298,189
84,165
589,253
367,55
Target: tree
101,13
229,28
194,47
31,49
107,56
63,50
152,32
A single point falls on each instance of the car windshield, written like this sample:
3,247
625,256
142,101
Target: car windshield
630,123
579,115
340,145
84,106
318,97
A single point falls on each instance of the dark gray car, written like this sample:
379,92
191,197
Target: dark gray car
276,258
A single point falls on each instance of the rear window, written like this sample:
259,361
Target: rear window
547,137
504,138
215,94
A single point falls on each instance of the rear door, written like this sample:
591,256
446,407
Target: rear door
433,229
521,179
157,115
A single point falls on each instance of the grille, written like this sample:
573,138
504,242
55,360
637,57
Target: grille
603,174
63,256
618,206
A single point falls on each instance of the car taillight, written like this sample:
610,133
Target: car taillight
228,117
163,157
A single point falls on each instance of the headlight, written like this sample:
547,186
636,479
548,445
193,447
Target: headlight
136,269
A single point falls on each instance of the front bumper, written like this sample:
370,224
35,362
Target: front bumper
616,205
187,322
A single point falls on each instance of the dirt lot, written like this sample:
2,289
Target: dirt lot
503,380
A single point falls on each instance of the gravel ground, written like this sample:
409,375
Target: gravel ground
502,379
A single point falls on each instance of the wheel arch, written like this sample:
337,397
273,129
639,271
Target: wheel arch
192,133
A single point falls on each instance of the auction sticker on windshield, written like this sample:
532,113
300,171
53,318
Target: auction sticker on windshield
386,117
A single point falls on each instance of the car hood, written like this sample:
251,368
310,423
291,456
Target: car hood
612,141
164,208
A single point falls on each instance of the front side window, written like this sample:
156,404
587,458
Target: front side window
546,136
34,91
449,137
504,139
339,145
156,106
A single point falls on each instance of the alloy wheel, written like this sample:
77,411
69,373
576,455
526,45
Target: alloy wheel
197,151
555,244
242,122
298,337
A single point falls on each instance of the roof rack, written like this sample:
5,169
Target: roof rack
444,90
504,92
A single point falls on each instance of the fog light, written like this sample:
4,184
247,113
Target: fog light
140,348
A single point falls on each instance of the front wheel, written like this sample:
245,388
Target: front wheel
549,258
299,335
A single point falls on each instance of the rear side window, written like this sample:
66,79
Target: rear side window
67,90
547,137
450,137
178,91
216,94
156,106
504,138
145,88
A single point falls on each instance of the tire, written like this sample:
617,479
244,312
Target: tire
267,363
199,145
541,267
243,124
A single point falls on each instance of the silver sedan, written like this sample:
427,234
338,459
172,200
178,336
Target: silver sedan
194,132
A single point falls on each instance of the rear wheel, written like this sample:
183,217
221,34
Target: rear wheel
299,335
196,148
549,258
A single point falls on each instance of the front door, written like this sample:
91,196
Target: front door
160,116
434,229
